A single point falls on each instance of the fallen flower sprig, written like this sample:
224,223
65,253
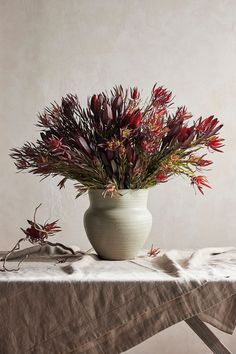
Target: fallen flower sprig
36,234
153,251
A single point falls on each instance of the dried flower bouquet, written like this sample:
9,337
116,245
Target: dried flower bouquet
120,142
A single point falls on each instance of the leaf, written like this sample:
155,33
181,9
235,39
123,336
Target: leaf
114,166
82,142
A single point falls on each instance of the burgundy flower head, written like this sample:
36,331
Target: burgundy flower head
135,93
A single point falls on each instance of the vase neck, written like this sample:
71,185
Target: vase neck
125,198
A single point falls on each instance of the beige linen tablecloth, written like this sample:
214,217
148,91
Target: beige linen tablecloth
93,306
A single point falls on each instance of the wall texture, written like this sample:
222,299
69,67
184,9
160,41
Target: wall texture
52,47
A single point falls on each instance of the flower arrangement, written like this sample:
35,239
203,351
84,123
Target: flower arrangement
120,142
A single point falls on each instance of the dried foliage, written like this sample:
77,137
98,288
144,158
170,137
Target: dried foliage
118,142
36,234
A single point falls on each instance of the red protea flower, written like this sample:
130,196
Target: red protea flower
33,233
154,251
208,126
135,93
51,228
135,119
161,177
56,147
116,106
182,114
54,143
37,232
132,120
199,182
94,104
215,143
185,133
161,96
107,114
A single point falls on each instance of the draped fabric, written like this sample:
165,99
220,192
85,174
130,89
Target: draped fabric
87,305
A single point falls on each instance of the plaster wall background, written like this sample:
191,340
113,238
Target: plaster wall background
52,47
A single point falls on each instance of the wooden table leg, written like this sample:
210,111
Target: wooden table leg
207,336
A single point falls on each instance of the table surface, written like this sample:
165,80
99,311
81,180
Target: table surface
209,264
95,306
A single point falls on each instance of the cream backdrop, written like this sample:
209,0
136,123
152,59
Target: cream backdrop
52,47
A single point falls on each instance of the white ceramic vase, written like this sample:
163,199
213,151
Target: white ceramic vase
118,227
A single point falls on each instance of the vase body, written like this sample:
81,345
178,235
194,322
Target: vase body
118,227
